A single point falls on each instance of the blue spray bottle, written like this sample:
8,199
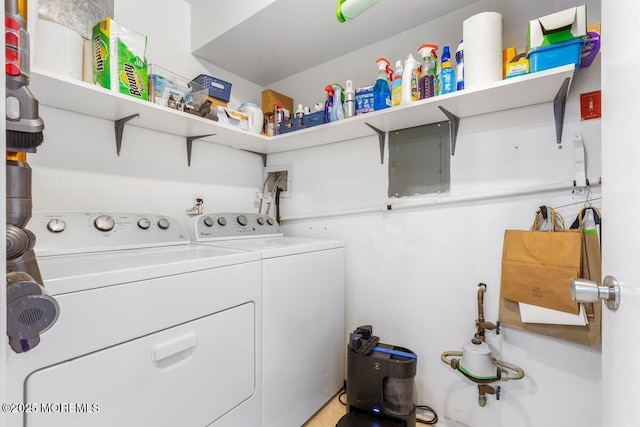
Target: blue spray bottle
381,91
328,104
337,112
447,75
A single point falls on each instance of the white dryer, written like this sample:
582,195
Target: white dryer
153,331
303,294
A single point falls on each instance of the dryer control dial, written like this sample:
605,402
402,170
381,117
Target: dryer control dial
208,221
242,220
144,223
163,223
260,220
222,221
56,225
270,221
104,223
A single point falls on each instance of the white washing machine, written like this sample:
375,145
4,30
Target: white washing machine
153,331
303,294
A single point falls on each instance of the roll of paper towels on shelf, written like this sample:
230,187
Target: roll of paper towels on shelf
482,35
58,49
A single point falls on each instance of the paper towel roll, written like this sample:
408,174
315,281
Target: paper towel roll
482,35
58,49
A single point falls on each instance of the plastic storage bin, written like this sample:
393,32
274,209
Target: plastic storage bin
555,55
217,88
314,119
290,125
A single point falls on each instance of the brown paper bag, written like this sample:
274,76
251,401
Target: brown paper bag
589,335
537,267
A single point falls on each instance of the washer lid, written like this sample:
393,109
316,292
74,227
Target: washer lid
272,247
71,273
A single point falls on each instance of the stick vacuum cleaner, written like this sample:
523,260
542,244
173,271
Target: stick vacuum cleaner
30,310
380,383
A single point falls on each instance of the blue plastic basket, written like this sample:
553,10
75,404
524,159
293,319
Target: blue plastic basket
217,88
313,119
290,125
555,55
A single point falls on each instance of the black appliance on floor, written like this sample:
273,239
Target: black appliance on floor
380,383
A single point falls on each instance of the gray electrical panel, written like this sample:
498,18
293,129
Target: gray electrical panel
419,160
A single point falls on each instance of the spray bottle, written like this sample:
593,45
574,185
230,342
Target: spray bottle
328,104
349,100
428,75
381,91
447,75
337,112
396,85
460,67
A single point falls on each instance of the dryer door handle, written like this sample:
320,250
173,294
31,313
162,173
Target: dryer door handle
174,346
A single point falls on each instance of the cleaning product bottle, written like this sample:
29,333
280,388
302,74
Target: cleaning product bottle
428,74
278,117
349,100
337,112
410,80
328,104
438,83
460,67
447,75
381,91
396,85
299,111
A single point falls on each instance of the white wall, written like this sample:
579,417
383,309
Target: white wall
413,274
77,168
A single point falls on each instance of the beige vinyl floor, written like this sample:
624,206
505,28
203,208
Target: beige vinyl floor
329,415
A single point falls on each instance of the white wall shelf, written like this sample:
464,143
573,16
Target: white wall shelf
77,96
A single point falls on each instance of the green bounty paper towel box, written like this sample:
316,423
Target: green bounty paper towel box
118,59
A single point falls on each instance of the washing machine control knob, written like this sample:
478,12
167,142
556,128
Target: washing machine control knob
104,223
163,223
242,220
270,221
222,221
208,221
144,223
56,225
260,220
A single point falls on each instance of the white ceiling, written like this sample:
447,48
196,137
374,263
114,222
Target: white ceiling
290,36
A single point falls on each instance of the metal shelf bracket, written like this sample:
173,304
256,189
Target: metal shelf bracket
455,125
119,125
559,104
381,138
190,140
263,155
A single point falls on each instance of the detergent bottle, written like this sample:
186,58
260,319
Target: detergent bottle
328,104
396,85
337,112
381,91
410,80
447,75
428,79
460,67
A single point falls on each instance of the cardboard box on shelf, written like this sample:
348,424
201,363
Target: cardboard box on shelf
271,98
557,27
215,102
